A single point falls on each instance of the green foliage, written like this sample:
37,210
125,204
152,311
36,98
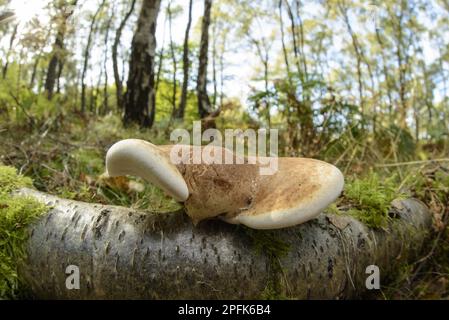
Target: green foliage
88,161
16,213
395,139
370,198
22,106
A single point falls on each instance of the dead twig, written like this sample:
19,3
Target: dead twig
408,163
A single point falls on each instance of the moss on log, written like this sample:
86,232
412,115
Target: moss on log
126,254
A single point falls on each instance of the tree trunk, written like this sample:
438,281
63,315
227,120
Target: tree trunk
400,52
302,43
140,98
175,64
105,64
125,254
389,89
295,42
358,55
161,57
118,35
204,107
53,64
34,71
185,67
37,60
56,54
58,76
214,63
11,42
87,54
284,48
222,77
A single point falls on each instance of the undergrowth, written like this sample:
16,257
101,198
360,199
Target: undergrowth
427,277
16,213
68,161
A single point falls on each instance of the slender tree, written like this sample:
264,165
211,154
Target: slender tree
140,98
185,67
58,46
204,107
87,54
105,61
118,35
284,47
160,56
170,14
11,43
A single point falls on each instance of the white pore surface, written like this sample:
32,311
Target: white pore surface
141,158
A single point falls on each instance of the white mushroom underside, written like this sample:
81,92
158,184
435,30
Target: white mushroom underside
143,159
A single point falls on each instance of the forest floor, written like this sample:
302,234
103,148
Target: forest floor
65,157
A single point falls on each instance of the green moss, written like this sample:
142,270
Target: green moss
268,244
370,198
10,180
16,213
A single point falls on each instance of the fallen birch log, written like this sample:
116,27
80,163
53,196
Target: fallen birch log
126,254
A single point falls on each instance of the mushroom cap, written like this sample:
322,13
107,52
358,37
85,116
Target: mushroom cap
144,159
299,191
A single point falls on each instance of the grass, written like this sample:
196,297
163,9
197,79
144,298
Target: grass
16,213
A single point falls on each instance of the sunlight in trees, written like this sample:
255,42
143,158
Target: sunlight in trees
25,10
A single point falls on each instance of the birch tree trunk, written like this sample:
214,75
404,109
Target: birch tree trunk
58,47
185,67
140,98
87,55
174,61
203,99
118,35
126,254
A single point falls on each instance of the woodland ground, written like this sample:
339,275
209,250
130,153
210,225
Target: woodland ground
65,157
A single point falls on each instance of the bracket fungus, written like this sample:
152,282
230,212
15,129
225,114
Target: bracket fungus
234,191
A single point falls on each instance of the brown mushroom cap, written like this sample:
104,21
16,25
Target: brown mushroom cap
298,191
237,193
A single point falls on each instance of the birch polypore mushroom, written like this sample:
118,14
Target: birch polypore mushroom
234,191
